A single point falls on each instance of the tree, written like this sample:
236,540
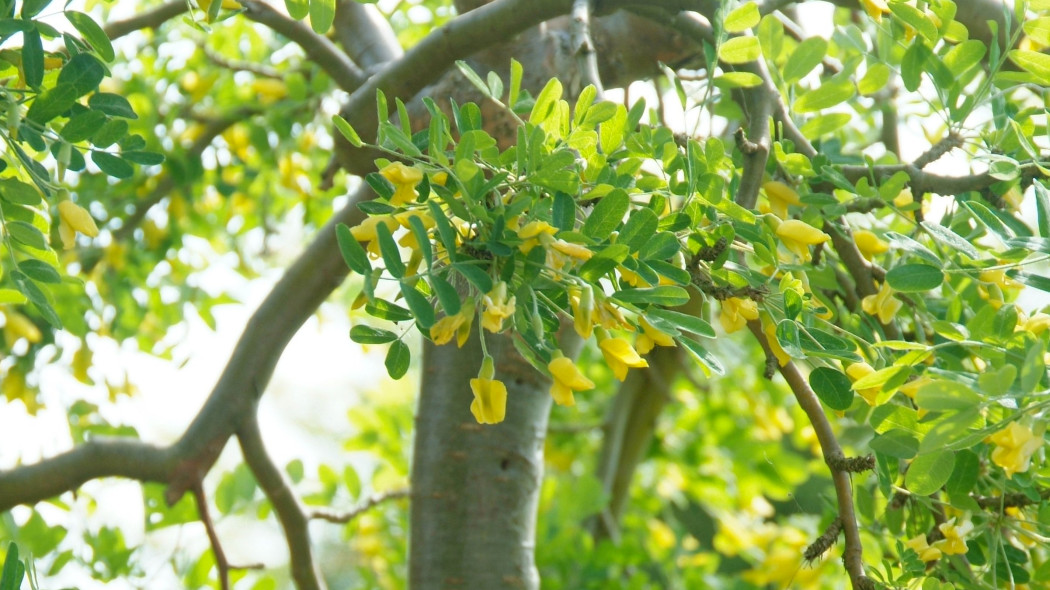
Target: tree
494,197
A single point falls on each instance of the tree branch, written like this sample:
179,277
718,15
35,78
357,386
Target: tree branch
852,556
366,36
151,19
285,504
319,49
368,504
583,46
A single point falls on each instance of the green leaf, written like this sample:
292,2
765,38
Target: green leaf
895,443
14,571
681,321
1033,62
475,275
355,256
348,132
11,296
804,58
112,165
611,132
740,50
822,125
415,224
421,307
297,9
914,278
322,14
27,234
950,239
110,132
32,57
51,103
391,254
929,472
113,105
731,80
546,102
660,246
384,310
638,229
944,395
447,294
607,214
832,387
474,78
964,474
742,18
362,334
664,295
709,361
143,158
827,95
603,262
15,191
989,219
92,33
83,72
31,8
1042,209
916,19
40,271
515,83
380,185
398,358
38,298
82,126
875,79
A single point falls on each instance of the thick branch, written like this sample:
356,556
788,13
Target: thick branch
319,49
29,484
583,45
366,36
285,504
151,19
852,556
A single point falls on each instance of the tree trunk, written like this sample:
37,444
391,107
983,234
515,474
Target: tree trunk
475,488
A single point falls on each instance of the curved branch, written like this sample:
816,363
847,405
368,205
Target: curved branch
29,484
151,19
285,504
583,46
366,36
852,556
319,49
368,504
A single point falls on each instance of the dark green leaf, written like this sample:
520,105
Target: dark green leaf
40,271
31,8
143,158
1042,209
665,295
83,73
964,475
384,310
607,214
929,472
114,105
661,246
27,234
832,387
362,334
33,58
15,191
38,298
391,254
563,213
380,185
112,165
421,307
355,256
110,133
447,294
51,103
473,273
14,571
603,262
640,227
92,33
950,239
82,126
708,360
682,321
914,278
895,443
398,358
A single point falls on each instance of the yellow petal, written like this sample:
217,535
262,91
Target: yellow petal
490,400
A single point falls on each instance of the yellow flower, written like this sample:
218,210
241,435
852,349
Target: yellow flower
953,543
882,304
770,330
1014,446
610,317
404,178
567,379
875,8
651,337
998,277
856,372
573,250
780,196
490,400
267,90
73,218
1037,324
19,326
533,233
631,277
798,236
457,325
497,308
366,232
923,548
619,355
736,312
869,244
581,301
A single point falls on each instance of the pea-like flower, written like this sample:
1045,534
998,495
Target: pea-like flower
780,196
366,232
490,400
921,546
798,236
736,312
73,218
882,304
650,338
856,372
497,308
953,543
581,301
533,234
869,244
404,178
457,325
875,8
1014,446
620,355
567,379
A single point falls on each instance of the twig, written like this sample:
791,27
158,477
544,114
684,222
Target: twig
285,504
258,70
852,556
369,503
221,563
319,49
1013,500
952,141
583,46
151,19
